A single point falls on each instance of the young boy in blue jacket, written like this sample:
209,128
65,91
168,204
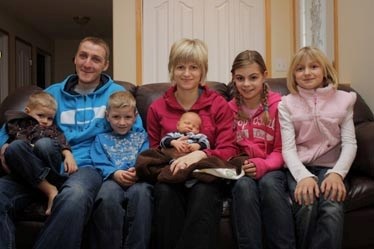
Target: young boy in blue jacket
123,208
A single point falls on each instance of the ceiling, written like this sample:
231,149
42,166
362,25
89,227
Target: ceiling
54,19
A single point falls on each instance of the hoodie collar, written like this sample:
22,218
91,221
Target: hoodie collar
322,91
72,81
205,98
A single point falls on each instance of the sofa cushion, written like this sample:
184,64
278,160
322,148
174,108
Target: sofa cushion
128,86
364,161
360,194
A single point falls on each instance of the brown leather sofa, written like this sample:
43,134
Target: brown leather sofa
359,213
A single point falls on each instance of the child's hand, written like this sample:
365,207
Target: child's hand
249,169
333,188
70,166
125,178
180,144
306,191
193,147
3,163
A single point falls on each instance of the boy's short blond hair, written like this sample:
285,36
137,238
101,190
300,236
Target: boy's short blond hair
41,98
121,99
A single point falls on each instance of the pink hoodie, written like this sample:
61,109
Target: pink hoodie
266,154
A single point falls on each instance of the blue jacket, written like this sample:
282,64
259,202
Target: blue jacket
82,117
111,152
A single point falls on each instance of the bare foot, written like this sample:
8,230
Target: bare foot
51,197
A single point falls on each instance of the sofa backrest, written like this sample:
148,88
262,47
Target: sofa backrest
146,94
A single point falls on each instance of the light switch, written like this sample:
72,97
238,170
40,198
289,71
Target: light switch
280,65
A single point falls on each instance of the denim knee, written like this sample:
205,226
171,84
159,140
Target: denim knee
273,186
273,179
14,147
45,146
4,204
306,212
334,209
109,189
165,190
81,188
203,190
141,190
245,188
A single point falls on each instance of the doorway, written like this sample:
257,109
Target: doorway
43,68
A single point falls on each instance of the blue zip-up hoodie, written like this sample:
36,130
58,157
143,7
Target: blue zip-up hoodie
82,117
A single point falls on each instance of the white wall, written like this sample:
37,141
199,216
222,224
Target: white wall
281,37
124,40
356,41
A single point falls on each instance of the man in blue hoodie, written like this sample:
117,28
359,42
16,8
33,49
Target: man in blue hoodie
82,99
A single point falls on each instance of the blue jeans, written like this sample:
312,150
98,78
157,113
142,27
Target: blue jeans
319,225
33,164
187,218
262,206
122,217
71,210
14,197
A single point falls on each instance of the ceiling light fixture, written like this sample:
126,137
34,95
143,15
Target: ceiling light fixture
81,20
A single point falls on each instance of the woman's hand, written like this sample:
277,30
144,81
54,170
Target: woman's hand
306,191
185,161
333,187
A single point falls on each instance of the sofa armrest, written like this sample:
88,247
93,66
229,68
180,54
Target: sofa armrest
364,161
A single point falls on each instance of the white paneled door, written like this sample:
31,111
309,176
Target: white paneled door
227,27
23,63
